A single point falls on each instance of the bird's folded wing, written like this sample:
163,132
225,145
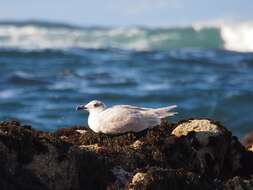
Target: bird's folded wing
128,118
131,107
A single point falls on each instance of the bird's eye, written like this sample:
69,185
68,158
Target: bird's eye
96,104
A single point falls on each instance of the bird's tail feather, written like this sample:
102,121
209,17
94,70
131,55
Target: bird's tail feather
165,111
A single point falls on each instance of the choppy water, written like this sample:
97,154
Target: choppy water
46,70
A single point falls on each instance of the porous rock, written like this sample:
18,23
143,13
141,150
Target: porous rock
190,154
31,159
239,183
204,129
160,178
247,141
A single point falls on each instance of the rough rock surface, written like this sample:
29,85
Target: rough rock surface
191,154
248,141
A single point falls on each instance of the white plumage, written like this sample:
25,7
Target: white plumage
123,118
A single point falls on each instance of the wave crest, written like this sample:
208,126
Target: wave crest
34,36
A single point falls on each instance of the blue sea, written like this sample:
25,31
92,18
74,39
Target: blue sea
47,69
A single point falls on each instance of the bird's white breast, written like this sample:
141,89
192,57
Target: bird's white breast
93,122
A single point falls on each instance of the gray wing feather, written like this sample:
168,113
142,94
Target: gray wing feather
131,107
125,118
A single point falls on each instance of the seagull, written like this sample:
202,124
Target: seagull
123,118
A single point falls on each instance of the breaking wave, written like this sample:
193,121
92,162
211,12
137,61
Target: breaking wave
37,35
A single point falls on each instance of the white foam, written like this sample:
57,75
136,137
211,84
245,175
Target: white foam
155,87
63,86
6,94
237,36
39,37
23,74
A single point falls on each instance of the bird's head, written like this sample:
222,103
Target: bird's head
94,105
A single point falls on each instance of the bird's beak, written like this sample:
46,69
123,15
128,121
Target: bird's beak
81,107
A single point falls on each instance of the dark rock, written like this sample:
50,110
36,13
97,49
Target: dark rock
31,159
239,183
159,178
192,154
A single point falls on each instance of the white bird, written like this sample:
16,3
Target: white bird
123,118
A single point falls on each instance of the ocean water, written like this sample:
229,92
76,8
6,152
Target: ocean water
46,69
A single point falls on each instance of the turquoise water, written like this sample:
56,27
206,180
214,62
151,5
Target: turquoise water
46,70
